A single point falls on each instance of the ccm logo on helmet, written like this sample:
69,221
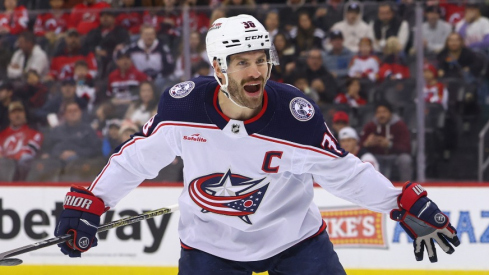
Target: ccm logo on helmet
254,37
78,202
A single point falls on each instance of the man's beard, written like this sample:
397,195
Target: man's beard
238,94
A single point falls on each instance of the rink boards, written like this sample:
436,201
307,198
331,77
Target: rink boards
366,242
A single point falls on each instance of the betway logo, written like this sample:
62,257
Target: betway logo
195,137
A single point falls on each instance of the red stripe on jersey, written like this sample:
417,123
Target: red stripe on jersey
92,186
184,246
108,163
293,145
184,124
321,230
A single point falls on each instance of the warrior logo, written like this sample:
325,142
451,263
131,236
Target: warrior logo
182,89
228,194
301,109
440,218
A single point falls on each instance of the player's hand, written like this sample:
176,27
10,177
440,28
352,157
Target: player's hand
80,217
424,222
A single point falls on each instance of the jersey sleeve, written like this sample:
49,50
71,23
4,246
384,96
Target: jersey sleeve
139,158
346,176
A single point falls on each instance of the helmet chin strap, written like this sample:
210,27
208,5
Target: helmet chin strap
224,90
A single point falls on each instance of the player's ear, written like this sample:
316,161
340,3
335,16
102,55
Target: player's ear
217,71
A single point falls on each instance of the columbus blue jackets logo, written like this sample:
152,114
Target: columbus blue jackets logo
301,109
182,89
228,194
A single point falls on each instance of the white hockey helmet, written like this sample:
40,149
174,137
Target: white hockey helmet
237,34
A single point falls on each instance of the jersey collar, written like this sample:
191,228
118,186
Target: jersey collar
252,125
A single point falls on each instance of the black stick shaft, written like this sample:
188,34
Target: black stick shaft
102,228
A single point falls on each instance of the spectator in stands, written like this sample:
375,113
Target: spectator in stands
197,55
272,23
202,69
216,14
352,95
56,105
388,138
53,24
306,36
340,120
165,21
320,79
198,19
237,7
388,25
152,57
353,27
29,56
301,82
127,130
85,16
458,61
6,97
14,19
339,57
349,141
285,52
130,19
365,65
435,30
105,38
394,65
452,11
104,113
68,52
84,83
33,93
111,137
19,142
141,110
124,81
434,91
328,14
291,12
474,28
73,139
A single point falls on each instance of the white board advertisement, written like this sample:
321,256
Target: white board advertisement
363,239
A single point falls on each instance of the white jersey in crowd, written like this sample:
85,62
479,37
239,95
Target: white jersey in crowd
352,33
248,185
366,66
474,31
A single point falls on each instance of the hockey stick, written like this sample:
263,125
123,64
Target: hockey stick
6,260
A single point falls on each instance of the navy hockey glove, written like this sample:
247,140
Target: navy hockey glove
80,217
424,222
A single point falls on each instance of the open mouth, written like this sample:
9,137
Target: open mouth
252,89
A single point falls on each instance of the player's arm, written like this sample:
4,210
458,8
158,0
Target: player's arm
345,176
139,158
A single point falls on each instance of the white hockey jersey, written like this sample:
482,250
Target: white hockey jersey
248,185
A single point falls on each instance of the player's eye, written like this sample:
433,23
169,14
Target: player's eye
242,63
261,61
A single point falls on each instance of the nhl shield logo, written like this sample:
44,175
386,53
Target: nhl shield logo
228,194
301,109
182,89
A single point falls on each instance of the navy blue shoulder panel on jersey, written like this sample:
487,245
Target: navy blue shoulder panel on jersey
184,102
298,119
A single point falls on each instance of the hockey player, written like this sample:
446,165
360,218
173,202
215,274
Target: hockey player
252,150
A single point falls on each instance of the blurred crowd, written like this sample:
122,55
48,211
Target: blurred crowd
78,78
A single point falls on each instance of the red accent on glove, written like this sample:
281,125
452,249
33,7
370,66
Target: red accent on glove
411,192
84,202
